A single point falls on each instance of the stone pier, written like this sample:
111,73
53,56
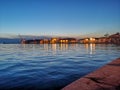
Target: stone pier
104,78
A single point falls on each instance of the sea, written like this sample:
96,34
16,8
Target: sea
50,66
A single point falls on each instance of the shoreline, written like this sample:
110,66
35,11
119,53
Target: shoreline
104,78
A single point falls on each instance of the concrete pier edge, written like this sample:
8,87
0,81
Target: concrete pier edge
104,78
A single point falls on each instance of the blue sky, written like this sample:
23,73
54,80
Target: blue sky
59,17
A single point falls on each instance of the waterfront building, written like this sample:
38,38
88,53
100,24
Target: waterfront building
87,40
115,38
68,41
23,41
46,41
54,40
112,39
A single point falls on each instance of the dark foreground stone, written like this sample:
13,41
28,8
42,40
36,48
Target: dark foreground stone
105,78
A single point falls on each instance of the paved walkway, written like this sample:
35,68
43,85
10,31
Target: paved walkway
105,78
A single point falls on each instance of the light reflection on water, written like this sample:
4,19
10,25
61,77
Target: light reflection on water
50,66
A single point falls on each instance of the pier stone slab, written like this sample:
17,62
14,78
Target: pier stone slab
104,78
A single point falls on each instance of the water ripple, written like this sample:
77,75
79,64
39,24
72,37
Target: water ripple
50,67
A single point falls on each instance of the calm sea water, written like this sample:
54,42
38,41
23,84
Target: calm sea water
50,66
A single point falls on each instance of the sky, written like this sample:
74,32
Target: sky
59,17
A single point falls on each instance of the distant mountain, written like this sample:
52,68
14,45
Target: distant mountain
7,39
27,37
17,40
10,40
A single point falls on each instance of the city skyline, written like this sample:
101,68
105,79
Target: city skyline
59,17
